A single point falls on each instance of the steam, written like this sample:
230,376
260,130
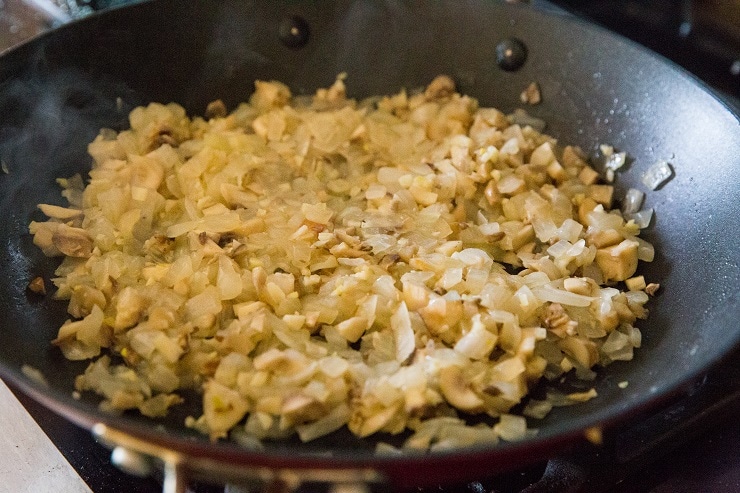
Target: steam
47,118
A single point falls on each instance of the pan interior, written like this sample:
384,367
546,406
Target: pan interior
60,89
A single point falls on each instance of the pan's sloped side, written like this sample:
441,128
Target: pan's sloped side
56,92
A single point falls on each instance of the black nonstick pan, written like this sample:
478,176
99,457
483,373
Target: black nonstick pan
58,90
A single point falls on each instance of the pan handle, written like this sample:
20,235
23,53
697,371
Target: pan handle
141,457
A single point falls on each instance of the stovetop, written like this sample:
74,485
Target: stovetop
690,445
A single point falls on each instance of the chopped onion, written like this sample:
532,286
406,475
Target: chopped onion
521,117
657,175
642,218
615,161
632,201
315,263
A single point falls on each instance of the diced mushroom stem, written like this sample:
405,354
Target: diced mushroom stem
652,288
73,242
587,205
588,175
582,351
605,238
558,321
602,194
618,262
573,157
578,285
636,283
457,391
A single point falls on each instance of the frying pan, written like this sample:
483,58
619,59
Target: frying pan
59,89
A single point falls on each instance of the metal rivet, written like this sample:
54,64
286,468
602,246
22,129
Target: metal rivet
294,32
511,54
735,67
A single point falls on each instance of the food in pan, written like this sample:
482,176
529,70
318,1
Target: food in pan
308,263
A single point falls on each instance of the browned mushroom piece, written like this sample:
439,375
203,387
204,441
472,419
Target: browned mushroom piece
216,109
441,87
531,95
37,285
73,242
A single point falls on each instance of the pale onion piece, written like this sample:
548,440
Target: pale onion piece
57,212
570,230
333,366
129,307
86,330
403,334
144,341
542,155
168,347
473,257
490,229
536,279
352,328
222,407
451,278
229,281
637,296
641,218
317,213
219,223
559,249
487,154
537,409
615,161
378,421
510,184
288,361
509,368
511,427
42,237
633,200
478,342
476,279
554,295
207,302
521,117
645,250
657,175
616,344
375,191
390,177
544,228
335,419
511,146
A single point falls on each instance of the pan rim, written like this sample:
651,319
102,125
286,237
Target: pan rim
83,415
